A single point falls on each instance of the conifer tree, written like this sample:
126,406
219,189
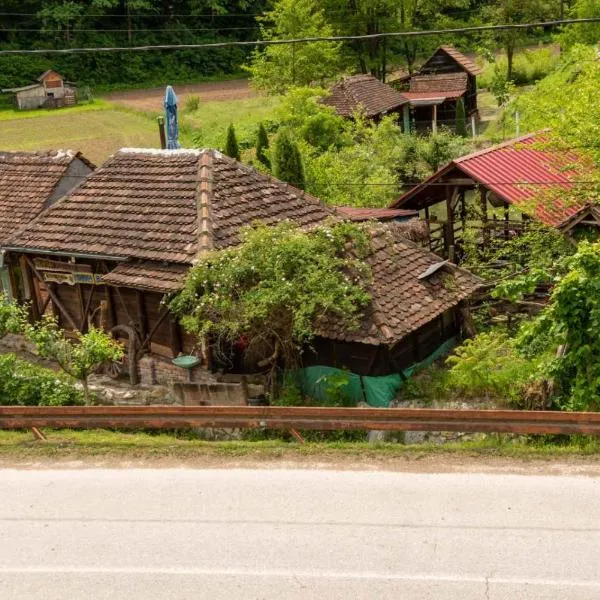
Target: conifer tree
262,143
461,118
287,161
232,148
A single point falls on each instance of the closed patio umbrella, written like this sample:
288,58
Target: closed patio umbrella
171,118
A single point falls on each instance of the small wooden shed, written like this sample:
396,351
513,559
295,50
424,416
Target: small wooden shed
49,91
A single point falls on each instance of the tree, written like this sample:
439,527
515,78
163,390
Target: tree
276,68
582,33
275,288
461,118
287,161
262,144
231,145
78,357
572,321
517,11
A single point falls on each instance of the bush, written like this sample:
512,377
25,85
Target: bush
192,103
490,366
529,66
26,384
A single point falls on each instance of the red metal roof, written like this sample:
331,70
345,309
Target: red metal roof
524,173
380,214
433,96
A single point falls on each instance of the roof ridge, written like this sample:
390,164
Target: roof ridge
203,205
500,146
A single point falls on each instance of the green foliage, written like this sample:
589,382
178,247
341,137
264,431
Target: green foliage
78,357
232,148
491,366
582,33
500,86
276,68
572,320
12,316
26,384
574,113
529,66
262,145
192,103
461,118
287,161
275,287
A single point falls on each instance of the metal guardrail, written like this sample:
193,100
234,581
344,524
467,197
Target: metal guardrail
298,418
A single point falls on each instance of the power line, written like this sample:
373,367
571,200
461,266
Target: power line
339,38
102,30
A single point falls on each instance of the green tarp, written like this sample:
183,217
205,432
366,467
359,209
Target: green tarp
324,383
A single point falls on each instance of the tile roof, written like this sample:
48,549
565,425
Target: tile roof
148,275
462,60
27,182
165,206
523,172
363,92
442,82
400,301
380,214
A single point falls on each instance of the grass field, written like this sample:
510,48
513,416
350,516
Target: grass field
97,130
211,120
101,128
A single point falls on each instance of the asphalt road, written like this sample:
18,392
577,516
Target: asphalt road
289,534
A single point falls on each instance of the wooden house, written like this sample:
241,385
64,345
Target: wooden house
49,91
30,182
500,190
364,94
110,252
434,91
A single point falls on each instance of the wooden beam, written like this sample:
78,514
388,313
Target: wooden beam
148,338
55,299
484,214
175,334
142,315
81,307
88,306
31,289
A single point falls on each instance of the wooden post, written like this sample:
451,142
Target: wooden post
175,331
30,290
434,119
142,316
406,117
506,219
449,223
484,215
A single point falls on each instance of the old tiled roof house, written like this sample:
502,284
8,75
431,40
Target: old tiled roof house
30,182
364,94
110,251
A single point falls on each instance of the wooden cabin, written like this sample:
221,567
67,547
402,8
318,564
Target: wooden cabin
110,253
499,191
49,91
30,182
434,91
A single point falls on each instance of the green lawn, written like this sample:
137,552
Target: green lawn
100,129
209,123
97,130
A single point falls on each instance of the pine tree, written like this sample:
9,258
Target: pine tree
287,161
461,118
262,143
231,145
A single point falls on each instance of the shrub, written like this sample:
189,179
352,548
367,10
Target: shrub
232,148
287,161
490,365
262,144
192,103
26,384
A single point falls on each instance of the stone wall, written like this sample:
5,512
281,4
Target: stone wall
155,370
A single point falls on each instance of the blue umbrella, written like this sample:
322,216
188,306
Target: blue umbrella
171,118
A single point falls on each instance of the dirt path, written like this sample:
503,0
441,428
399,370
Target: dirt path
151,99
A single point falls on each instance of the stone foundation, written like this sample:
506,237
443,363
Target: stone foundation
155,370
